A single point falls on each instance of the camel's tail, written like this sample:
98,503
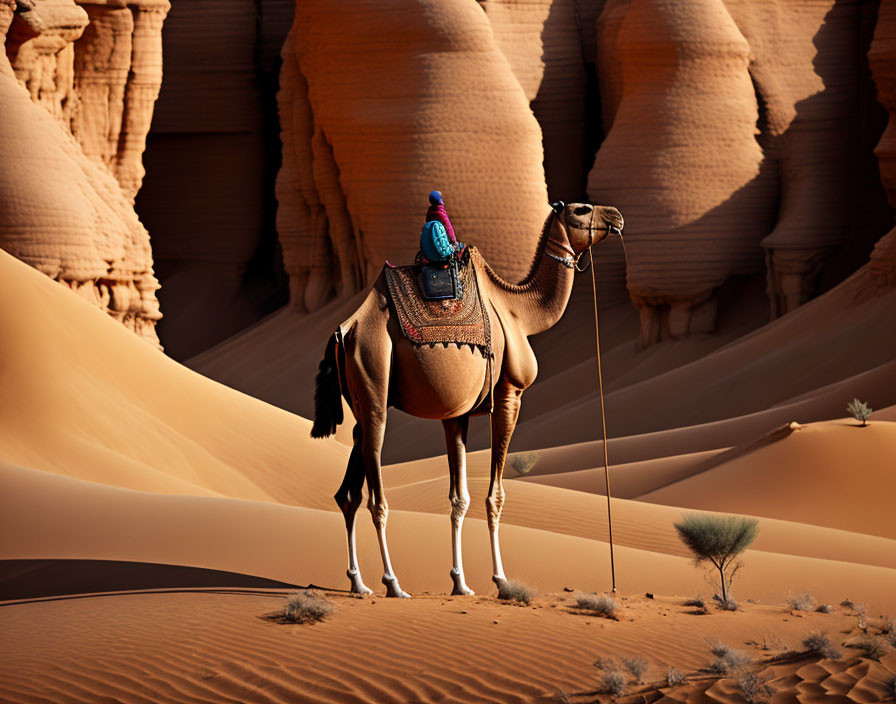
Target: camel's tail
328,390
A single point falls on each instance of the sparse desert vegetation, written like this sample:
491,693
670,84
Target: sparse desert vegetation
802,601
307,607
824,609
754,687
612,683
637,666
859,410
597,604
718,540
728,660
870,647
514,590
820,644
522,462
675,677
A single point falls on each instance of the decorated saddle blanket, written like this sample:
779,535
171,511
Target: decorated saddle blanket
432,322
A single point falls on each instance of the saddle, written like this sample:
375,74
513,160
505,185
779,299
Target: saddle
439,305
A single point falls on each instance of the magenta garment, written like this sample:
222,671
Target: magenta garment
438,212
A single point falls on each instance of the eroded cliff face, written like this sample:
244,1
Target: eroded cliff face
77,85
377,111
882,58
735,142
734,135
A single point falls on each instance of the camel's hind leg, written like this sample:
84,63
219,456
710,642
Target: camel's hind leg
503,421
458,495
348,497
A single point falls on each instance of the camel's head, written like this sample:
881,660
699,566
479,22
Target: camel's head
587,224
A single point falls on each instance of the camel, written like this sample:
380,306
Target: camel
370,363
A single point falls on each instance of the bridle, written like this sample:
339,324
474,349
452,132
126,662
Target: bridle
571,258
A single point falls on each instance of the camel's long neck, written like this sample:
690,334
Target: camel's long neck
540,299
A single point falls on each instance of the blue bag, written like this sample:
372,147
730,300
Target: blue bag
434,242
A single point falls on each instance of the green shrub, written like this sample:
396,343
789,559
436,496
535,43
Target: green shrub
859,410
718,540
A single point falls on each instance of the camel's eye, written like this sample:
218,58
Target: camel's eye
582,210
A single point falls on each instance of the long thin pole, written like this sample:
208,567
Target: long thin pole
603,420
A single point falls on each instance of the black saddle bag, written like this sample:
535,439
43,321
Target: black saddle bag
441,282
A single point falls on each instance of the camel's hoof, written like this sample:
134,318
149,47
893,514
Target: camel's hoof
393,590
460,587
358,587
500,582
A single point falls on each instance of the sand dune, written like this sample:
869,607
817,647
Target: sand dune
79,398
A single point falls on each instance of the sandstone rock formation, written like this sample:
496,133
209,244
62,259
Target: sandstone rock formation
97,67
682,162
213,152
732,123
61,208
882,58
375,112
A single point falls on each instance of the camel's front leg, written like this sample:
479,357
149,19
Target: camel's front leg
507,409
458,494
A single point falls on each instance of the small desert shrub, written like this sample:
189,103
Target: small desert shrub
891,638
820,644
512,590
607,664
523,462
696,601
718,540
754,687
728,660
598,604
871,647
890,686
887,626
612,683
637,666
801,602
675,677
307,607
825,609
859,410
724,604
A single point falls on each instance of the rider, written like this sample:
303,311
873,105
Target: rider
438,241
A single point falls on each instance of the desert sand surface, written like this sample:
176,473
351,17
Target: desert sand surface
227,645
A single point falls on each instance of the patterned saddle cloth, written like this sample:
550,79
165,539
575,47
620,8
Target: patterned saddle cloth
432,322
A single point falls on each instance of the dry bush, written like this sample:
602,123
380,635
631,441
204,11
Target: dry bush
725,603
612,683
891,638
598,604
307,607
675,677
825,609
801,602
887,625
696,602
637,666
522,462
754,687
728,660
890,686
871,647
606,664
512,590
820,644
